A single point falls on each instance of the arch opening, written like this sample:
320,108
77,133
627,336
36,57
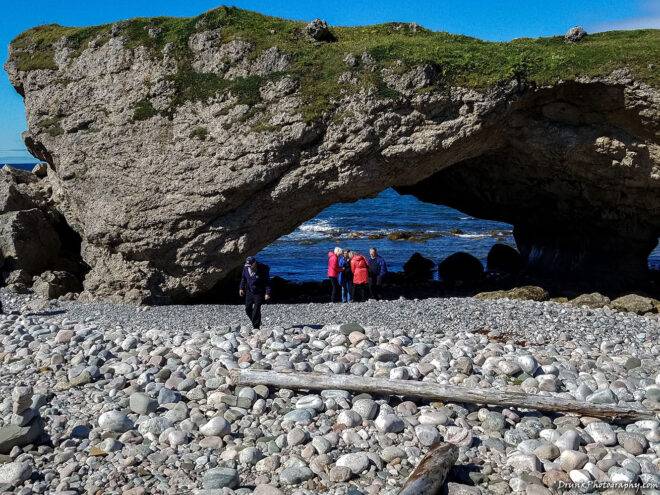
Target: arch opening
435,223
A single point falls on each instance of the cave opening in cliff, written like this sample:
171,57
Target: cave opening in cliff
413,236
573,238
70,250
416,228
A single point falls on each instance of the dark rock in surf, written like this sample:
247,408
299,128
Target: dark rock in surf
461,269
504,259
418,268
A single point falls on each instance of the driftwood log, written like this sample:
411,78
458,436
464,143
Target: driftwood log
431,472
435,392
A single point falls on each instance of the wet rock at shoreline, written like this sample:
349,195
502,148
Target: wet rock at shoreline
502,258
529,292
634,303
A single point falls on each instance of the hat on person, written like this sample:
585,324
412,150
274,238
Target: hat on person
250,260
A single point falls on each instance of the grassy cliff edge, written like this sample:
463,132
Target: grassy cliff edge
460,60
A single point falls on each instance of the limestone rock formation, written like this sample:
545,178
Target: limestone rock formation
33,236
176,147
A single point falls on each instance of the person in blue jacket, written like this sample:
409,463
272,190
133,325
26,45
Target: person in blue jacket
345,277
255,286
377,272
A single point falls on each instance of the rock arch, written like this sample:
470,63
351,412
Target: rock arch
168,201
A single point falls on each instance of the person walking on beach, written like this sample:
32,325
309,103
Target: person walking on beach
377,272
360,269
333,274
255,286
345,277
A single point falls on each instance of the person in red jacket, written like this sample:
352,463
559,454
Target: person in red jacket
360,269
333,274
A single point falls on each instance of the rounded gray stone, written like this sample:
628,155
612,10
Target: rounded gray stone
220,478
357,462
115,421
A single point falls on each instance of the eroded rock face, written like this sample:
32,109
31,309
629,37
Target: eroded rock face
33,235
167,201
577,173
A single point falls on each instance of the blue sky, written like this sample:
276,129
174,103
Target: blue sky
486,19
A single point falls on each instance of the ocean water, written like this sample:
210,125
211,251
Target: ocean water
302,254
23,166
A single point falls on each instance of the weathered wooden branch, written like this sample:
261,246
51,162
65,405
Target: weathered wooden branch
435,392
431,472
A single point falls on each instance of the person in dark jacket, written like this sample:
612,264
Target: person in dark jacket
345,277
255,286
377,272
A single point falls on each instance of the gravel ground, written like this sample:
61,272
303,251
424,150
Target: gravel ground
104,398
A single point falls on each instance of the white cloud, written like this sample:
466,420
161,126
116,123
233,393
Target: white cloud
649,20
652,22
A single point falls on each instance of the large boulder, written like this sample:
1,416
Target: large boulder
593,300
461,268
174,156
12,435
319,30
16,192
19,281
34,236
418,268
527,292
53,284
634,303
575,34
28,241
502,258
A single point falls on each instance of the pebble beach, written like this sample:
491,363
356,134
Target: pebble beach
115,399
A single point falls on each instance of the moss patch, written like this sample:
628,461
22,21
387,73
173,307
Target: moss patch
35,49
462,60
53,126
200,133
144,110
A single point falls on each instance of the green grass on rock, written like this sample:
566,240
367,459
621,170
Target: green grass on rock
462,60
